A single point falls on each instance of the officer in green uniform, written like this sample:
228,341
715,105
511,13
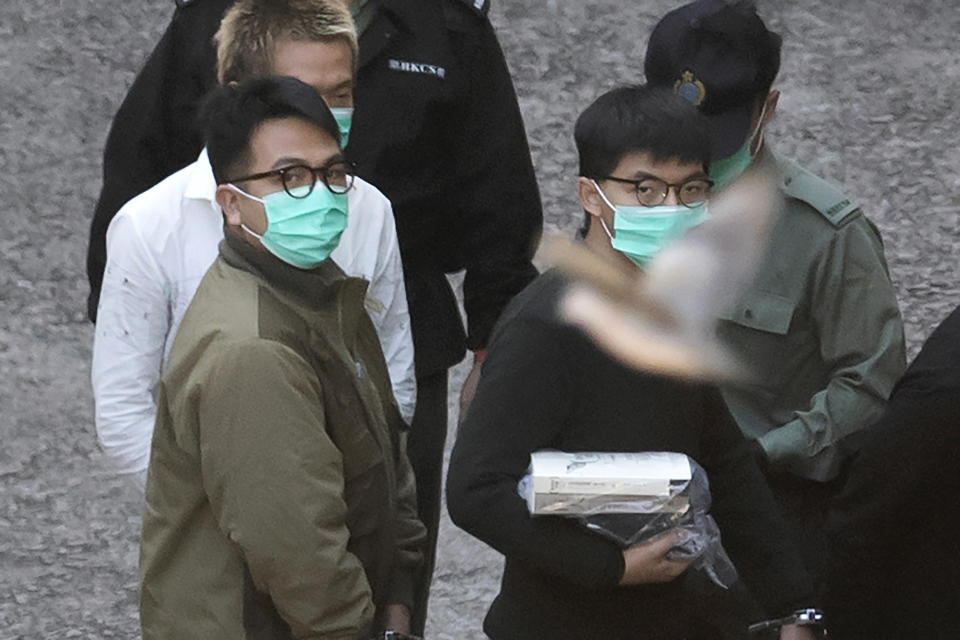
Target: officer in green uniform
820,324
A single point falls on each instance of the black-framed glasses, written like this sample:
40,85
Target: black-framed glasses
298,180
651,191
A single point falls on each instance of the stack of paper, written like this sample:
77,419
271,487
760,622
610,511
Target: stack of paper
595,483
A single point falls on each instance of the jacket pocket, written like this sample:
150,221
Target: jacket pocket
763,311
365,490
361,453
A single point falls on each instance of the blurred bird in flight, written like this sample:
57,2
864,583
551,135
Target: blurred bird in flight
663,319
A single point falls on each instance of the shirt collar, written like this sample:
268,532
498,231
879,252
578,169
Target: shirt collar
201,185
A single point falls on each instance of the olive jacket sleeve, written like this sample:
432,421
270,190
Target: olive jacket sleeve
275,483
411,535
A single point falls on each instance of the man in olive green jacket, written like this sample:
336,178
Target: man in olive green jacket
279,499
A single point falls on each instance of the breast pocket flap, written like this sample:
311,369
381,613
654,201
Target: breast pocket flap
764,312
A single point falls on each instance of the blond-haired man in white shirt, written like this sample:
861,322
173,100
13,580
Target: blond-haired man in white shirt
161,243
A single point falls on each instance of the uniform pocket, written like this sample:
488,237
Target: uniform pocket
763,311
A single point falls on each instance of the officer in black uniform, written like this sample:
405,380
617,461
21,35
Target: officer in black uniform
436,127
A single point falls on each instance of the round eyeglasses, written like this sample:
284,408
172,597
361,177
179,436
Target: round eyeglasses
652,191
298,180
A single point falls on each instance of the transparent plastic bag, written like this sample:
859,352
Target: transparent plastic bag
632,498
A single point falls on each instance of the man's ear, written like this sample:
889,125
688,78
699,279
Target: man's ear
770,107
589,197
229,201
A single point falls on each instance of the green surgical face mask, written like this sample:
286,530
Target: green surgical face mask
725,171
344,118
302,232
642,232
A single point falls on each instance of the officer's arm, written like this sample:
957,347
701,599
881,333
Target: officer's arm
128,347
754,533
275,483
911,457
496,197
855,312
153,133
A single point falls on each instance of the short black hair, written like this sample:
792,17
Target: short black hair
231,113
640,119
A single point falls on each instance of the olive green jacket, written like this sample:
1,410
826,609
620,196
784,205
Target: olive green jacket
820,327
279,499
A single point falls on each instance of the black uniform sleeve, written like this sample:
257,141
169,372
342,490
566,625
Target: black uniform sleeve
495,190
154,134
900,491
522,402
754,534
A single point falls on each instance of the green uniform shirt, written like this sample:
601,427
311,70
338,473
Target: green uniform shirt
820,328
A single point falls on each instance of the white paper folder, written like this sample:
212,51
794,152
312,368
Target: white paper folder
647,482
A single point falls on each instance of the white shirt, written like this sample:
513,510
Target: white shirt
160,245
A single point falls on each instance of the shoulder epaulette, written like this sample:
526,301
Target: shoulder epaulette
464,15
480,6
827,198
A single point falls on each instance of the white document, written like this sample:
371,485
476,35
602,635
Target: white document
646,482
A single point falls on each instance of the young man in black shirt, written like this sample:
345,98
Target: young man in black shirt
643,181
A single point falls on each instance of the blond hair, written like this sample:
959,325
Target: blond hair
250,28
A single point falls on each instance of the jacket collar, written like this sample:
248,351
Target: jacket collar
318,288
412,17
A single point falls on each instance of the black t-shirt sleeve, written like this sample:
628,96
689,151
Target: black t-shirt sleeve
754,534
522,402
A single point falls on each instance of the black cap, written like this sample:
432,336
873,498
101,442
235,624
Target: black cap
719,55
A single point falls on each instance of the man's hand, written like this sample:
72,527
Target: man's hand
795,632
470,386
397,618
648,563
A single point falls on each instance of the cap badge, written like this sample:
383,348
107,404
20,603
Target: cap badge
690,88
